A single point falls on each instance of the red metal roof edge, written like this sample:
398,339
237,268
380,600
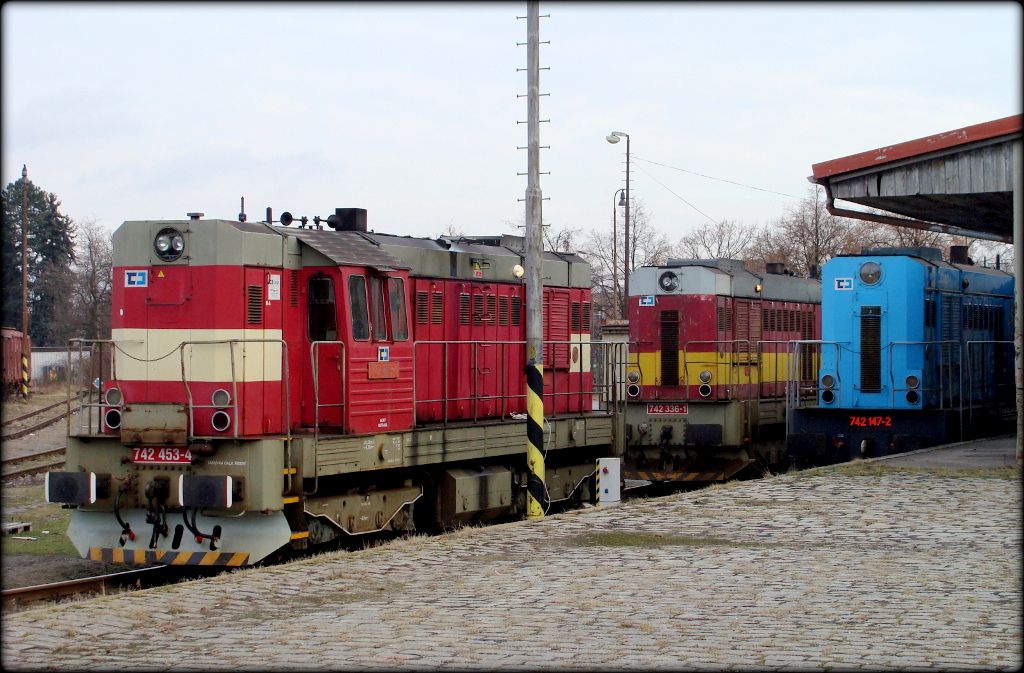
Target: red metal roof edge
910,148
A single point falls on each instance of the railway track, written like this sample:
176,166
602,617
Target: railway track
53,459
11,421
36,426
102,584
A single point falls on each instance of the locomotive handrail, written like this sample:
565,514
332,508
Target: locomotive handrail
504,345
793,370
314,363
970,377
88,387
733,364
343,360
960,363
286,400
793,397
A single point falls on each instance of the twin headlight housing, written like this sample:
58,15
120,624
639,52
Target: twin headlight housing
169,244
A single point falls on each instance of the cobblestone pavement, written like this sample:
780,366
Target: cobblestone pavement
889,571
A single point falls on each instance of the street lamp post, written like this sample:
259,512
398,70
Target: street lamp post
613,138
615,241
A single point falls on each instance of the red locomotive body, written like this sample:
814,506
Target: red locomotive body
712,359
284,369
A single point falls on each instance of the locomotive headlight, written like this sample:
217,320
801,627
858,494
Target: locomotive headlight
828,397
704,390
220,420
912,396
169,244
113,397
632,390
828,381
633,376
705,376
870,273
913,382
220,398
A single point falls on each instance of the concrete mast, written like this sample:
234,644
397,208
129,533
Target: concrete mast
536,498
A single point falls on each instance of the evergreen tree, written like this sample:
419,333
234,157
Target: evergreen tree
51,248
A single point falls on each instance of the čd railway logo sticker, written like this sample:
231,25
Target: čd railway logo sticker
138,278
844,283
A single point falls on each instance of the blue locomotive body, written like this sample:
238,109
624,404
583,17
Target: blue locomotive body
915,352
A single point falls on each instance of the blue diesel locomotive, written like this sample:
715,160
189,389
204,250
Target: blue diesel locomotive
914,352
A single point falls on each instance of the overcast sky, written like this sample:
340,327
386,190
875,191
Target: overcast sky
132,111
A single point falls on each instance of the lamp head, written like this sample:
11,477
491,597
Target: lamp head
518,271
612,138
622,198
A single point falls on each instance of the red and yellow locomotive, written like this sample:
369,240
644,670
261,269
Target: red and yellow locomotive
711,360
274,387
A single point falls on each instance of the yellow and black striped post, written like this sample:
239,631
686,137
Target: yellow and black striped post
24,375
536,493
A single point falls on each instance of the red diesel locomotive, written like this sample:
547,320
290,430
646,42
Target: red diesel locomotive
276,387
712,359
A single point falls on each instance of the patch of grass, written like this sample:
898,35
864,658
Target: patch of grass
877,469
28,503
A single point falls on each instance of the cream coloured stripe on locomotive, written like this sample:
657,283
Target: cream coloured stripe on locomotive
154,355
583,363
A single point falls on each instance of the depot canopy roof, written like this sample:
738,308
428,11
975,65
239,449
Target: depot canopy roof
961,178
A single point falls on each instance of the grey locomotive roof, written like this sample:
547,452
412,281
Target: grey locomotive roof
725,277
346,247
217,241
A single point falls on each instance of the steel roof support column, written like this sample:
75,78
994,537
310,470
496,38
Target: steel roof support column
1018,291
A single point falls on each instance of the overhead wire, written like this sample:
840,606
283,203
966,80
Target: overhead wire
708,217
711,177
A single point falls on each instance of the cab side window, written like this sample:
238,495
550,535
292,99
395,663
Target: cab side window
396,302
323,325
357,304
380,328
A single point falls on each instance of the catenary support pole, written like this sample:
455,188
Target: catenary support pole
25,348
536,492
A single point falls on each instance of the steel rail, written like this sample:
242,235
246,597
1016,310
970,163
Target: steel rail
34,456
139,577
30,414
34,428
35,469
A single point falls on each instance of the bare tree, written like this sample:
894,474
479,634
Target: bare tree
648,247
805,237
722,240
83,291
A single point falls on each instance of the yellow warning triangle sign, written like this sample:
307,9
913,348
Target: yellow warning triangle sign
160,275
